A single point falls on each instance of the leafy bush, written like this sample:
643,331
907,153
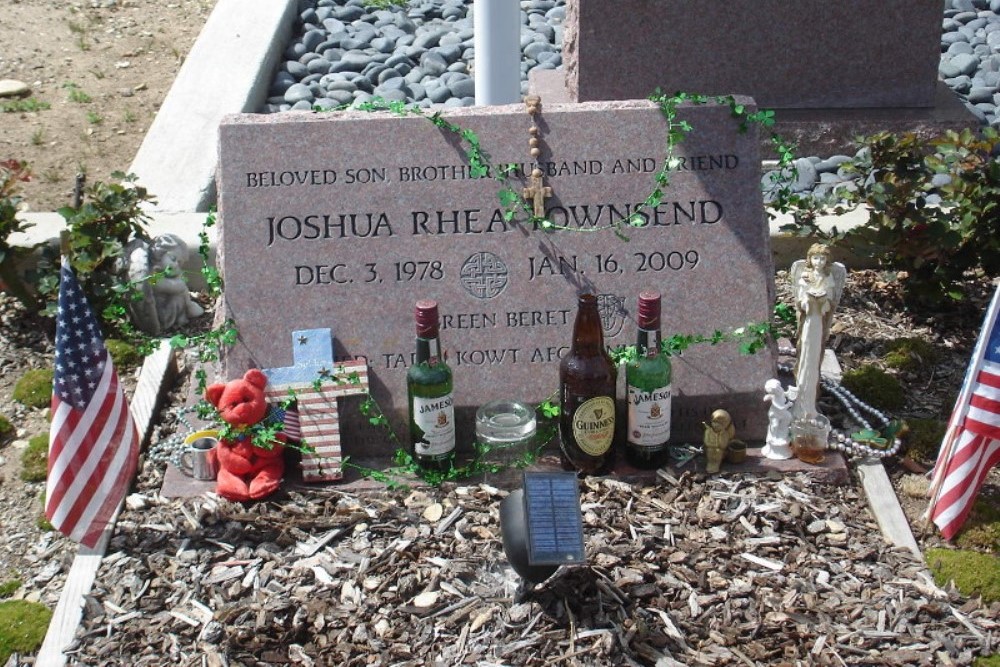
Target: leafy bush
875,387
22,627
12,174
35,459
110,216
934,208
34,389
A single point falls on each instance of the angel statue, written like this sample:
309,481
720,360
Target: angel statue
779,419
155,268
817,284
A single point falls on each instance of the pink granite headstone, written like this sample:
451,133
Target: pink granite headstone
801,54
350,218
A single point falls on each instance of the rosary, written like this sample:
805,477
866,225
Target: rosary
537,192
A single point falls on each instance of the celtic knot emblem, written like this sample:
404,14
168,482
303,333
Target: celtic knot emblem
484,275
612,311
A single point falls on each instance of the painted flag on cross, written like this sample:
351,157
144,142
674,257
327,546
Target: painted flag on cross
93,442
972,442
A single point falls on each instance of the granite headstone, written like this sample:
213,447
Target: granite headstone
351,217
807,54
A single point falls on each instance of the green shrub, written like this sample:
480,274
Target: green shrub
12,174
875,387
22,627
124,355
974,573
35,459
34,389
909,354
6,428
935,208
987,661
924,438
8,588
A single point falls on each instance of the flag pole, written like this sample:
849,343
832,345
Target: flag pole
958,416
64,244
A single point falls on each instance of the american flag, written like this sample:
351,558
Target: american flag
972,443
93,442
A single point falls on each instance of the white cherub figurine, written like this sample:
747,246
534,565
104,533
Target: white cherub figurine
779,420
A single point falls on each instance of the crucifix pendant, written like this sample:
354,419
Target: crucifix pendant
537,192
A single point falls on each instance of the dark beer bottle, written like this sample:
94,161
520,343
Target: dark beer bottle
648,380
587,381
429,393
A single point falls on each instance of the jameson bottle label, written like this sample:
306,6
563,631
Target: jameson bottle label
648,417
436,418
594,425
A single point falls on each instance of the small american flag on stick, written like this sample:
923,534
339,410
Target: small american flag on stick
93,442
972,443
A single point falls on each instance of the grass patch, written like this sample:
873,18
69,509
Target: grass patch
875,387
34,389
974,573
6,428
988,661
924,438
94,118
8,588
22,627
76,94
909,354
27,105
35,459
123,355
982,528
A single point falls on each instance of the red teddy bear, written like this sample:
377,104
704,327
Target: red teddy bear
246,471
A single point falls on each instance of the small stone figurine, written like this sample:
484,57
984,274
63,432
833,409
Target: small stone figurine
718,435
817,284
779,420
166,302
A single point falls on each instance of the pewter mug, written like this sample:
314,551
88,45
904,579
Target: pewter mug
196,462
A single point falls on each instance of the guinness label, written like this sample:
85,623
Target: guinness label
594,425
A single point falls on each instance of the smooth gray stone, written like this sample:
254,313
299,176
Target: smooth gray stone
416,74
959,84
351,61
328,103
308,58
433,63
383,44
391,32
347,86
302,105
832,163
309,16
395,83
830,177
439,94
334,26
312,39
535,48
988,79
391,95
965,63
360,97
459,66
295,68
940,180
372,71
450,52
463,87
986,108
348,13
450,39
333,55
976,23
960,47
399,59
453,102
995,6
297,93
282,82
429,38
323,13
546,31
553,58
990,64
405,24
319,66
452,12
295,51
363,84
993,38
388,74
558,14
405,41
417,92
807,175
980,94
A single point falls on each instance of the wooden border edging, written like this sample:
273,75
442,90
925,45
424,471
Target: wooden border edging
885,506
157,369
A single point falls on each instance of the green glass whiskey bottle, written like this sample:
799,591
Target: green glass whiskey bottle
429,393
648,381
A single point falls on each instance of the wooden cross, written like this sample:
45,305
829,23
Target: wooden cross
537,192
318,382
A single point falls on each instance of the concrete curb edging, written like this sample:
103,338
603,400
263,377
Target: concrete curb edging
229,66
